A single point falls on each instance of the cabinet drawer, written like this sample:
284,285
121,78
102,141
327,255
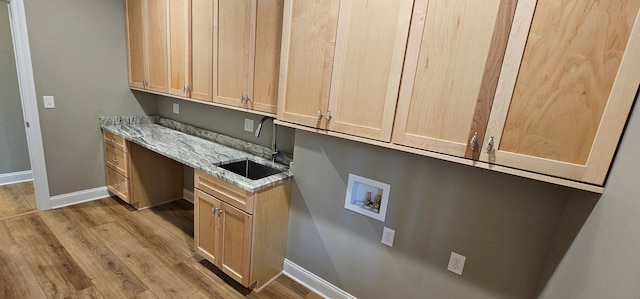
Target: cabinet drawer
118,184
224,191
115,141
116,159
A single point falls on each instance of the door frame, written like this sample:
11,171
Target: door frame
22,52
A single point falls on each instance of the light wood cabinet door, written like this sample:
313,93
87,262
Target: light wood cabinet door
263,92
223,235
308,42
342,63
208,224
232,45
135,42
451,70
236,243
202,49
568,82
157,45
369,54
179,47
147,44
247,38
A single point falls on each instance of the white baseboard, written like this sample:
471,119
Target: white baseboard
187,195
16,177
73,198
313,282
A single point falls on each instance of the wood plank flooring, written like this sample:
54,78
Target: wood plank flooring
106,249
17,199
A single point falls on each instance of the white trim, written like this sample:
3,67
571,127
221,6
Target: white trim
187,195
73,198
29,102
314,282
16,177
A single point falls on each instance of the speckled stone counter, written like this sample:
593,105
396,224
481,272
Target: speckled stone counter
195,147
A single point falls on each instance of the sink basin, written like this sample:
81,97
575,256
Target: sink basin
250,169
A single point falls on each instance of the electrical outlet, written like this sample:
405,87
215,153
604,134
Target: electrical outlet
248,125
49,102
456,263
176,108
387,236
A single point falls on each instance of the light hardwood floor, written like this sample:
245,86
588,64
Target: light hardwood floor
17,199
106,249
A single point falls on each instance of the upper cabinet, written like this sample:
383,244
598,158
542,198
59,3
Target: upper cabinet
341,64
451,70
265,63
231,48
537,88
546,92
309,32
179,47
147,44
247,53
568,81
221,51
202,49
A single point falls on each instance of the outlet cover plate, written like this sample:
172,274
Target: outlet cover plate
387,236
456,263
248,125
176,108
49,102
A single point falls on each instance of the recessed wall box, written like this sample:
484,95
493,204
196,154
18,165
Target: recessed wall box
367,197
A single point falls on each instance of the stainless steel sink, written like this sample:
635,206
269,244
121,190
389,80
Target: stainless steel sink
250,169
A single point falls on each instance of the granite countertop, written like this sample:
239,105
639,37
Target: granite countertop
195,147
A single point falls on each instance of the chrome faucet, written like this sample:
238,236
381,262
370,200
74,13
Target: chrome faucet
274,149
260,125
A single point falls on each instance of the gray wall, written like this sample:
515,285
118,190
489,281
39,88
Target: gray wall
78,52
14,153
504,225
598,258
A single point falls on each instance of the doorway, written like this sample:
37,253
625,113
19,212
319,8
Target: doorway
16,178
13,16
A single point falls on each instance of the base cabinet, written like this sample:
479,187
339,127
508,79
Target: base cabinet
139,176
241,233
116,160
224,236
